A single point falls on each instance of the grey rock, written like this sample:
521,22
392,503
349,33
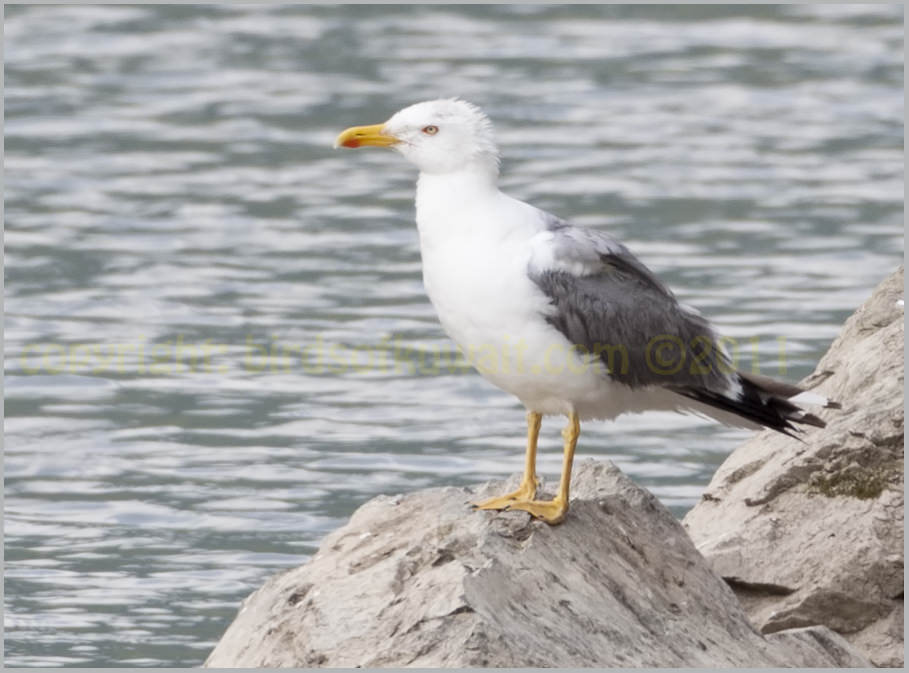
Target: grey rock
811,532
421,580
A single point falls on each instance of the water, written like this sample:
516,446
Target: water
176,220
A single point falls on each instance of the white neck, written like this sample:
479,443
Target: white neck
441,193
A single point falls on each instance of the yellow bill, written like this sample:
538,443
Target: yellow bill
357,136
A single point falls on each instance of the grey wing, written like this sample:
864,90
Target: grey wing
607,303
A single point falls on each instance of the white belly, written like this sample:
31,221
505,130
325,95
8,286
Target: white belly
495,314
475,273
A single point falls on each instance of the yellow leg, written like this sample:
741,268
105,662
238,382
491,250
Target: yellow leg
528,488
554,511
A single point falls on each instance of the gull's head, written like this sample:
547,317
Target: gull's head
437,136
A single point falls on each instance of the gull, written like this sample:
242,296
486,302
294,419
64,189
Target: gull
563,317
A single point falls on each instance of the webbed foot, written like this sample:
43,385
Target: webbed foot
550,511
526,492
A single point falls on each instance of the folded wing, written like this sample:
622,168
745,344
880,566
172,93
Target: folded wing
611,306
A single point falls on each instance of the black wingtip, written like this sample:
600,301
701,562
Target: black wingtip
762,404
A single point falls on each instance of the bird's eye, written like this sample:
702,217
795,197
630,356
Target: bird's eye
430,130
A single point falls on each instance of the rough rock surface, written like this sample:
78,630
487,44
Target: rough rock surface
421,580
811,532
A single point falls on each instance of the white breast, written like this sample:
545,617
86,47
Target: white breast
475,258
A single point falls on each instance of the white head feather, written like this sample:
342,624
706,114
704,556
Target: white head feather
444,135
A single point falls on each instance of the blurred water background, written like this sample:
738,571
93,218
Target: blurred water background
199,290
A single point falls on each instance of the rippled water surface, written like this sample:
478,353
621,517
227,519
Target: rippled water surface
217,341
